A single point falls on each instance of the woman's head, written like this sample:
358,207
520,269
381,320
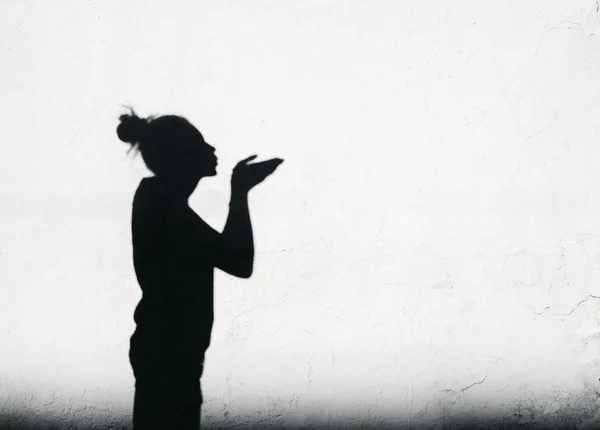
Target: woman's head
170,145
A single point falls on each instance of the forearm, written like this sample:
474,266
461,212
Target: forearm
238,227
239,242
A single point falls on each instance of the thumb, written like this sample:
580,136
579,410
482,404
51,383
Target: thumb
245,160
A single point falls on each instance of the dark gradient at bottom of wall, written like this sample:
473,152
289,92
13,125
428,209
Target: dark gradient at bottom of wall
22,421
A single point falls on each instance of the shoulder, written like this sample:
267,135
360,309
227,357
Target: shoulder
148,197
147,207
142,194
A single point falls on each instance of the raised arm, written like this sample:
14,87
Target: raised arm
236,254
236,251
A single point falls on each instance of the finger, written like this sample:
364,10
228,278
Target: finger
275,163
272,162
269,170
245,160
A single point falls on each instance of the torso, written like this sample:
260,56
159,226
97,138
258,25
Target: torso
172,264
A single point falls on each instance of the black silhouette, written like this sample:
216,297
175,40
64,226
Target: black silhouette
175,253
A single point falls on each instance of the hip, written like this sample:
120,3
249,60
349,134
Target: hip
159,360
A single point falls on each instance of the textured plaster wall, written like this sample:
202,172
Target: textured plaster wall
428,255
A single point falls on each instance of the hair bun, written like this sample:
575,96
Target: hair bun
132,128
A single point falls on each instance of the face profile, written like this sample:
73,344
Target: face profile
171,146
193,155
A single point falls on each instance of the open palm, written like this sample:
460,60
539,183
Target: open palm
246,176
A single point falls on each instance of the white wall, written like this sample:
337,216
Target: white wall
429,252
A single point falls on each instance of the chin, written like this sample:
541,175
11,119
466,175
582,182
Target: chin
207,171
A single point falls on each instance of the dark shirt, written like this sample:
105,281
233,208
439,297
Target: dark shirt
173,251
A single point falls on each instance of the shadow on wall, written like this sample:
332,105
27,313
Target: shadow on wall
175,254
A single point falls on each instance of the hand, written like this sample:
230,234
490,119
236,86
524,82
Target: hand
246,176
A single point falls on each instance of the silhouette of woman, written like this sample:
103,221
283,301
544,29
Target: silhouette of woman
175,253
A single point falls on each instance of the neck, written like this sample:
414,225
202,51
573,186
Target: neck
177,189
